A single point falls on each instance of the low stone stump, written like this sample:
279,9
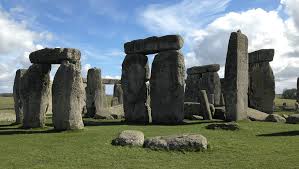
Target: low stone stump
184,142
129,138
190,109
224,126
275,118
219,113
293,119
256,115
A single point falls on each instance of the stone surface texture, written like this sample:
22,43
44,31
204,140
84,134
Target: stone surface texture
183,142
205,105
135,74
293,119
236,77
35,91
224,126
167,87
129,138
275,118
18,105
68,97
55,55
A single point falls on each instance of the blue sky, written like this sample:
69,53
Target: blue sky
99,28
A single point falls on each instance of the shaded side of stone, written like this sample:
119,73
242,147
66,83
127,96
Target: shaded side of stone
68,97
203,69
118,93
205,106
236,77
223,126
263,55
135,73
167,87
35,90
18,105
261,91
55,55
190,109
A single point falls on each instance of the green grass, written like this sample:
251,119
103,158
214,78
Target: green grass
256,145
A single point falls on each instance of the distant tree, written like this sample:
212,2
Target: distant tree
289,93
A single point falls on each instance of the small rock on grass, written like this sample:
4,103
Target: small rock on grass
224,126
129,138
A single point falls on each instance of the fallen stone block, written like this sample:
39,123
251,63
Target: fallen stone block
129,138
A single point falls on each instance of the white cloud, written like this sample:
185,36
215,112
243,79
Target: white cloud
16,42
208,44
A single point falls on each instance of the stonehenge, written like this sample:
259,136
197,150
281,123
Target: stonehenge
117,94
18,105
261,90
33,87
236,77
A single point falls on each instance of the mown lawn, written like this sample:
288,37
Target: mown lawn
256,145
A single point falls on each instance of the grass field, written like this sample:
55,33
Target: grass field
256,145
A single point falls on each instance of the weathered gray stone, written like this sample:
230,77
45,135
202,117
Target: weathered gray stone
205,106
18,105
223,126
297,90
262,55
114,101
275,118
118,93
135,73
111,81
68,97
293,119
35,90
167,87
236,77
256,115
184,142
129,138
203,69
94,92
208,81
261,92
154,44
55,55
219,113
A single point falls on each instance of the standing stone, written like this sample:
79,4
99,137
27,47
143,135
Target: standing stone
35,90
94,92
135,73
67,97
236,77
17,96
118,93
167,87
297,89
205,105
261,91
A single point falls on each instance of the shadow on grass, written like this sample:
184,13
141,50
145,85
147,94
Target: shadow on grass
287,133
23,131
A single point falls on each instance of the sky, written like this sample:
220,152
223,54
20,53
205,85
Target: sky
99,28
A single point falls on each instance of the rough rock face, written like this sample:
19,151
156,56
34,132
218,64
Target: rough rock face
191,108
67,97
223,126
203,78
118,93
293,119
18,105
297,89
111,81
184,142
154,44
261,92
94,92
275,118
236,77
167,87
55,55
129,138
35,90
205,106
135,73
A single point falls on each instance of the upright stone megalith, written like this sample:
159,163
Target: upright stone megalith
167,87
18,105
35,92
236,77
135,74
261,91
67,97
94,92
118,93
